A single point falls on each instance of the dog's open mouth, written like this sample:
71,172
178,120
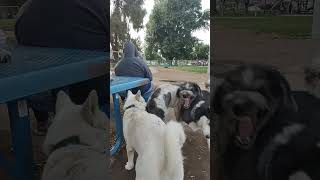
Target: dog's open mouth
186,103
246,130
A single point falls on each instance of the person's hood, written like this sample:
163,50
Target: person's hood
129,50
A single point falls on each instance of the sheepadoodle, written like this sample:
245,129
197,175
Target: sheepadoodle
191,105
194,107
264,130
158,144
163,98
76,141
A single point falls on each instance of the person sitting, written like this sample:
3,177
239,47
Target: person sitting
133,65
71,24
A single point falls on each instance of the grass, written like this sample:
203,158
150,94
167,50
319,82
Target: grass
195,69
7,24
295,27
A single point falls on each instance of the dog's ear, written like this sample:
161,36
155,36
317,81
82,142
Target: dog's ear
62,100
288,101
217,98
282,90
198,89
90,107
178,92
129,93
138,95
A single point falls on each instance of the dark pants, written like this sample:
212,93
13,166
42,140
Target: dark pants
43,104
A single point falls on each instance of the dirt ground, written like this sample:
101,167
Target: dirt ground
166,75
234,47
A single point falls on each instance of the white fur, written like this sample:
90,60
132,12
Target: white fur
194,108
87,160
165,89
280,139
202,124
158,145
300,175
287,133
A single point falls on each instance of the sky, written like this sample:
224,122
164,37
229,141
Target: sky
203,35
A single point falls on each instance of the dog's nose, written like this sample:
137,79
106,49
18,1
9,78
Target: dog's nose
239,109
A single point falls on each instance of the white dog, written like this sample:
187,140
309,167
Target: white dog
76,141
158,144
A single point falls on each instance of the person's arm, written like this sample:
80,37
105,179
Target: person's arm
148,73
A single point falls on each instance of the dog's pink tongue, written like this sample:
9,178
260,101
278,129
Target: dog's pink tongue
245,127
186,103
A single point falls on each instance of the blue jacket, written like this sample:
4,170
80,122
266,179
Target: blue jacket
132,65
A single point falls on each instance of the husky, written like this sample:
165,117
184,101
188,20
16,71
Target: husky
158,144
76,141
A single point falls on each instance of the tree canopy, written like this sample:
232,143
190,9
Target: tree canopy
124,13
170,27
200,51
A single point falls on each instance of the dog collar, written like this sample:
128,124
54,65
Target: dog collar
72,140
131,106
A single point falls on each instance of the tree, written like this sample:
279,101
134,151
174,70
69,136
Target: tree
125,12
246,6
200,51
137,43
170,27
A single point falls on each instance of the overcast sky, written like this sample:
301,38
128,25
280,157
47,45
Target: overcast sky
203,35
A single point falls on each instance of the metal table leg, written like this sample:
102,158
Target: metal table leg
119,135
21,139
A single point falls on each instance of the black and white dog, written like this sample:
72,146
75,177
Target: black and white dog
190,103
163,98
264,130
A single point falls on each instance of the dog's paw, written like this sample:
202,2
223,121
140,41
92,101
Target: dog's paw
129,166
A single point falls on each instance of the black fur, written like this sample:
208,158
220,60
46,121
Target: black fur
152,106
187,115
263,161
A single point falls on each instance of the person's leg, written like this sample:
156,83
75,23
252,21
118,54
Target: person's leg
80,91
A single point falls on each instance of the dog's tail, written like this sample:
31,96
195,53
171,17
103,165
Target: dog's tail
174,140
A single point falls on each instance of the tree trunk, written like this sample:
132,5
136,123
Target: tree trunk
214,7
246,4
237,7
222,7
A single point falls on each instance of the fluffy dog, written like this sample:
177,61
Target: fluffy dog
76,141
190,104
194,107
264,131
158,144
163,98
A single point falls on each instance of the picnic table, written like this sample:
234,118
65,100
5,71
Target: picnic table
120,84
34,70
